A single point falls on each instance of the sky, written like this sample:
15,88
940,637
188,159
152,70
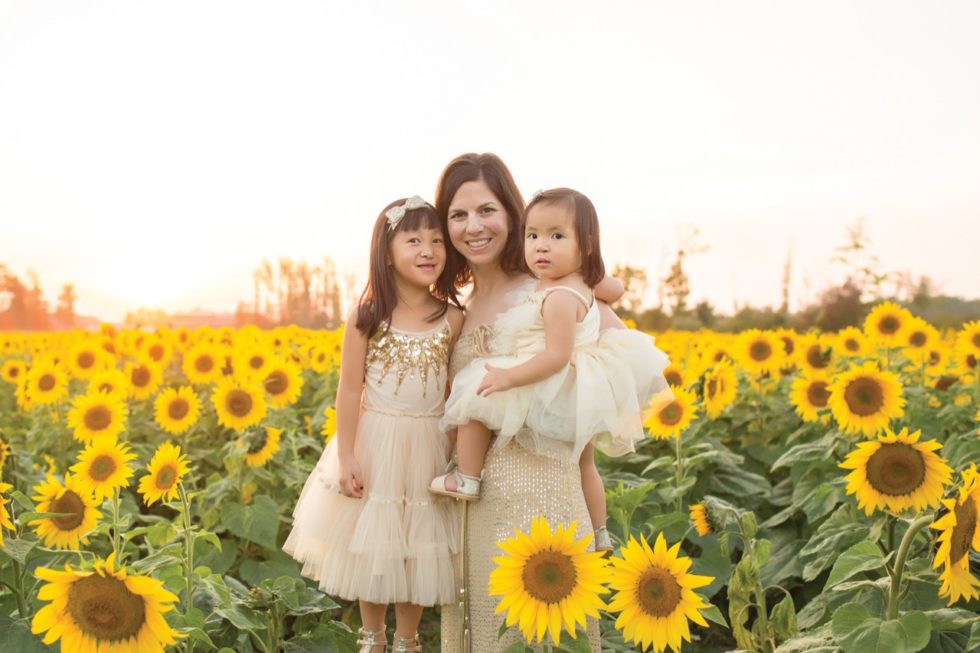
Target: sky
154,153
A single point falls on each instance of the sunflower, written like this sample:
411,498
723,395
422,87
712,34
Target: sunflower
865,399
886,324
238,405
105,610
95,414
720,387
896,472
674,416
966,360
80,513
759,351
852,342
86,359
252,361
176,409
144,377
4,514
329,427
809,396
655,594
919,335
46,382
4,453
547,580
676,376
815,353
283,382
202,364
968,338
103,466
264,448
110,380
958,533
167,469
158,350
790,340
701,519
13,370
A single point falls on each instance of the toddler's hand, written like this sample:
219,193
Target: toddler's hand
495,380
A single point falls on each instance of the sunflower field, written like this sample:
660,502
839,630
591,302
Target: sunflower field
811,492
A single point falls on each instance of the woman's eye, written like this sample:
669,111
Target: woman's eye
457,216
487,209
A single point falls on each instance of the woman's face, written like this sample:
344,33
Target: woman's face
477,224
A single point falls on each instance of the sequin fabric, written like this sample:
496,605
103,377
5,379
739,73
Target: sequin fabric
517,486
405,351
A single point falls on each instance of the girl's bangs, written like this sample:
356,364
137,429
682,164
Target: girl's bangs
423,218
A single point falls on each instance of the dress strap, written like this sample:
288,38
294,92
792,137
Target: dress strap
578,295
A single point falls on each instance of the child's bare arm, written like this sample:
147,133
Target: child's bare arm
349,391
609,290
560,313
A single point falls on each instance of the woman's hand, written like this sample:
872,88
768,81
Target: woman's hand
495,380
351,480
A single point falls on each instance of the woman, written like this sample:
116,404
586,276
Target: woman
481,205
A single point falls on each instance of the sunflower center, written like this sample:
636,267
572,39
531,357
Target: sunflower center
971,361
966,527
864,396
549,576
178,408
203,364
13,372
46,382
945,381
896,469
256,362
277,382
658,592
86,360
711,388
166,477
238,403
760,350
673,377
817,394
976,339
141,376
889,325
933,357
817,358
69,502
917,339
106,386
103,608
671,413
258,445
156,352
102,467
788,345
97,418
852,345
719,355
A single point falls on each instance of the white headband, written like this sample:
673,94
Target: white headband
396,213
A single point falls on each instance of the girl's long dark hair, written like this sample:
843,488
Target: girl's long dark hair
379,298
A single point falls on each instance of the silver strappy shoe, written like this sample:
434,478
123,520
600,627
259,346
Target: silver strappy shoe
368,639
406,644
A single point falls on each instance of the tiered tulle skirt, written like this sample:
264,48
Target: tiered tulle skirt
395,544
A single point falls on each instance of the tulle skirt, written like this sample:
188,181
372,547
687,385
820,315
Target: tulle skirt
396,542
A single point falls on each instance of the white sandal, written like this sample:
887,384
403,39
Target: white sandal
406,644
367,640
601,539
467,487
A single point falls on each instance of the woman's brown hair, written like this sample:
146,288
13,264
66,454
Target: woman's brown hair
489,169
586,228
379,298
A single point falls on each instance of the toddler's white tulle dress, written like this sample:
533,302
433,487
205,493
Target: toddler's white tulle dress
599,396
395,544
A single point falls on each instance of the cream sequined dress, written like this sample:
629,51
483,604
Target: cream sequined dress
396,543
517,486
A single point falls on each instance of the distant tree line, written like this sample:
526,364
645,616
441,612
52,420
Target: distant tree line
24,308
295,292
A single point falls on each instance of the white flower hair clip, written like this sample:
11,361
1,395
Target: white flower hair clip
396,213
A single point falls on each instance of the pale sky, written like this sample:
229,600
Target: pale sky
154,153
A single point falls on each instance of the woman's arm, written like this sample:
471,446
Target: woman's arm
560,313
349,390
609,290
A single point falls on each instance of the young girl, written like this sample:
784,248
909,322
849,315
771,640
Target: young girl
565,387
365,526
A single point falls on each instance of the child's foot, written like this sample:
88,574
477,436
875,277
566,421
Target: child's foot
457,485
372,641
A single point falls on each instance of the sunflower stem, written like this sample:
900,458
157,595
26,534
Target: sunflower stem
679,473
188,560
116,535
18,590
894,593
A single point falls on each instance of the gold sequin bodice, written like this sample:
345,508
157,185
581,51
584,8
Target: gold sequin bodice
405,371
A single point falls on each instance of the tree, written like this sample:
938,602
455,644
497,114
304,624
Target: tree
635,286
676,285
65,313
